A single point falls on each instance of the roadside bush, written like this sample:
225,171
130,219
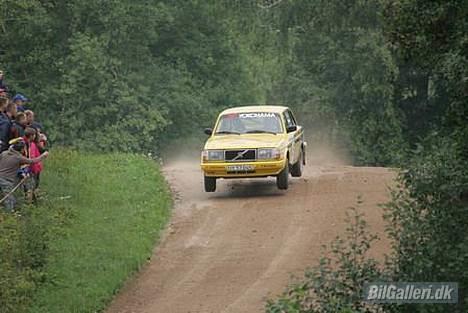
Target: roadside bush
335,285
23,251
427,220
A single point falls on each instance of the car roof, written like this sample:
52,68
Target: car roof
256,108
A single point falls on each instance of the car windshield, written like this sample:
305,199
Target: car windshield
249,123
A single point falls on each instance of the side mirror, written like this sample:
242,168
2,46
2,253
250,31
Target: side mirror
208,131
291,129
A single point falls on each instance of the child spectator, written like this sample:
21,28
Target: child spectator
19,124
42,142
31,139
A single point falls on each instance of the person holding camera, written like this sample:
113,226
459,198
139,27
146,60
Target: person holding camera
11,162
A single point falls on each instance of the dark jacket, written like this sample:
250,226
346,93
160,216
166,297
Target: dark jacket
17,130
5,131
3,85
37,126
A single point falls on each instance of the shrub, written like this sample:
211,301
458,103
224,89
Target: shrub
23,250
427,220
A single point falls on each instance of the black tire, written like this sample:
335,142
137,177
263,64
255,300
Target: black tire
210,184
296,169
282,180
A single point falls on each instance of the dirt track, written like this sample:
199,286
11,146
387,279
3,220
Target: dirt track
228,251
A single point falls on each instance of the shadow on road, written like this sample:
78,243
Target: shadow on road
258,188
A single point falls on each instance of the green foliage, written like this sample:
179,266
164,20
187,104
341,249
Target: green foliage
96,225
429,40
391,75
124,75
427,220
118,204
385,79
428,213
341,72
335,285
23,250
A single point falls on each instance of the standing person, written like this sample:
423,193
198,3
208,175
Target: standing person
20,100
31,120
31,140
6,124
3,104
10,162
41,142
41,137
19,125
3,86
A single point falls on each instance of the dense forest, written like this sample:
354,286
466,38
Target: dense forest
385,79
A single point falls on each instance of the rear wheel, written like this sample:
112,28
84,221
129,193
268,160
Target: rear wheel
210,184
282,180
296,170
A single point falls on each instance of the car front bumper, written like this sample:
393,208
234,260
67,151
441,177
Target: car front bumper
259,169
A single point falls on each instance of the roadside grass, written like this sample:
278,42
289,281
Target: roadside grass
108,211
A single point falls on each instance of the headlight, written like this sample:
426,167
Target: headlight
263,154
213,155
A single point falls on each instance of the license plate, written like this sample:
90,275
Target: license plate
240,168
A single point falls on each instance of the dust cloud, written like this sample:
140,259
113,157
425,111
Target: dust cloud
183,151
319,152
326,154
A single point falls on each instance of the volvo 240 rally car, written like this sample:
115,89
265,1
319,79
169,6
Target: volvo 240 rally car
254,141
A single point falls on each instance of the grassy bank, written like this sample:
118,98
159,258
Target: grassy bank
97,224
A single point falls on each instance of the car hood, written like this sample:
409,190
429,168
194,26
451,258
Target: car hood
246,141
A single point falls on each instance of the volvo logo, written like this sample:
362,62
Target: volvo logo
240,155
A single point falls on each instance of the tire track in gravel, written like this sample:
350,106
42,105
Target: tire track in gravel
230,250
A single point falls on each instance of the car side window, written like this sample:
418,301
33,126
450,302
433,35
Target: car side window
289,119
292,117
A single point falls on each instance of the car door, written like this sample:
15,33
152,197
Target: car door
292,136
298,137
295,137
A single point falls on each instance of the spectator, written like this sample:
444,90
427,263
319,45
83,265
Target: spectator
31,120
20,100
6,124
31,139
10,162
3,86
19,124
42,142
16,121
3,104
10,110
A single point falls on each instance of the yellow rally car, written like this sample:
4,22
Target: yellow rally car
254,141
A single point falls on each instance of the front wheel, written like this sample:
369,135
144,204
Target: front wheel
282,180
210,184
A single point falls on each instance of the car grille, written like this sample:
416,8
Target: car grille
240,155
